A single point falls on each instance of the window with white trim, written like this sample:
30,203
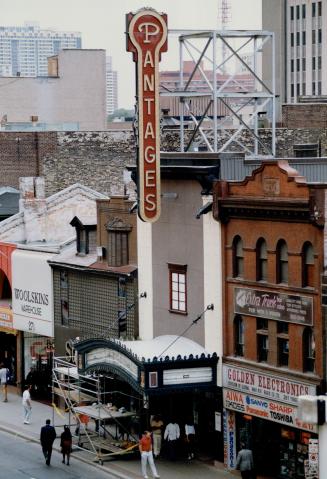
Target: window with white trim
178,288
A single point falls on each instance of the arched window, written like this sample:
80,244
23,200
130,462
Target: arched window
282,262
262,260
307,264
238,257
239,335
308,350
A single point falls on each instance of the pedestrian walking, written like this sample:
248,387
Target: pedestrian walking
47,436
172,434
244,462
4,373
66,444
27,404
145,447
156,424
190,438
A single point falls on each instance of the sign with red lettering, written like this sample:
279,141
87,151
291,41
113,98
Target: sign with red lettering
266,385
147,39
265,409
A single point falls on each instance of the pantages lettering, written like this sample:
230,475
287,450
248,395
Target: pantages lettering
147,38
31,296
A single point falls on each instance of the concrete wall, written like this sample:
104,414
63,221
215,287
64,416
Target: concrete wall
177,237
273,20
77,95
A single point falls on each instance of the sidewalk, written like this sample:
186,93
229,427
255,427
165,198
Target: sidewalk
11,420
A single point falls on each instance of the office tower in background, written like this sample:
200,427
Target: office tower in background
111,87
24,50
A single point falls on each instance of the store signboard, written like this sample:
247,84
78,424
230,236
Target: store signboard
265,385
111,356
32,292
187,376
273,305
6,317
265,409
147,39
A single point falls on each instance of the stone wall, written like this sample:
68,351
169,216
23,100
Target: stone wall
98,159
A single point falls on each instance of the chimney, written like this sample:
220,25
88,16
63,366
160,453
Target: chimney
32,204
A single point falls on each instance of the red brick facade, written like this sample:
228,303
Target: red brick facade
274,204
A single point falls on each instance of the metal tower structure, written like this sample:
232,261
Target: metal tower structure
232,107
224,17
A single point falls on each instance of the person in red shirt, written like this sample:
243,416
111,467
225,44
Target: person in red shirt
145,447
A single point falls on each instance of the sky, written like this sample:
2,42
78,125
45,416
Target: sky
102,25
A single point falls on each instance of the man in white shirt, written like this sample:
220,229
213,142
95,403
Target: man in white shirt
3,380
27,405
172,433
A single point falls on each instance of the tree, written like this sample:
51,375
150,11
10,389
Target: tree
121,113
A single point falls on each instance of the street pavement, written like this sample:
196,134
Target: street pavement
11,421
23,459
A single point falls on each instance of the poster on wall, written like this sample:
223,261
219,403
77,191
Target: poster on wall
229,422
32,293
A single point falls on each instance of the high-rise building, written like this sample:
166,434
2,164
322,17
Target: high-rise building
24,50
300,27
111,87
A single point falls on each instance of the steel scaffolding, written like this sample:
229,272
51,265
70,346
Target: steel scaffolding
243,104
107,436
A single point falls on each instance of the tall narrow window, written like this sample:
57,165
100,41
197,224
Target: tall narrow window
239,335
282,344
262,260
319,8
313,9
238,258
307,265
313,37
304,39
282,262
303,10
308,351
262,340
292,13
178,288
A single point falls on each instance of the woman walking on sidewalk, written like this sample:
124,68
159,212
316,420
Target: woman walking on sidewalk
145,447
66,444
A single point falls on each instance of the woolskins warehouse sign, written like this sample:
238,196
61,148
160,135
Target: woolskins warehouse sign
147,39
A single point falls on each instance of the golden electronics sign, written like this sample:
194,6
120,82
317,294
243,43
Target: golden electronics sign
147,39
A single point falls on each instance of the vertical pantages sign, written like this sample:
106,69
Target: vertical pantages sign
147,39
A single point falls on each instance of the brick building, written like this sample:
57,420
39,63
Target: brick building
272,250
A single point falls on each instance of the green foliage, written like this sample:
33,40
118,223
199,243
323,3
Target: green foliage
121,113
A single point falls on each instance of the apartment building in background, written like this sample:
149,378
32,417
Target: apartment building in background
24,50
300,28
111,87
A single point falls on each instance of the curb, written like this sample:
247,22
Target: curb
82,459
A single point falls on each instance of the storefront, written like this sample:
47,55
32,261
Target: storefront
10,338
261,411
33,315
179,386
